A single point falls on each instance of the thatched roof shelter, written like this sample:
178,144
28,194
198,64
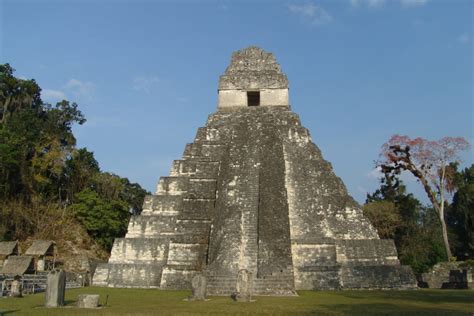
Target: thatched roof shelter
9,248
18,265
41,248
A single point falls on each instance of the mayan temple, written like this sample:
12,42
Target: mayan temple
253,192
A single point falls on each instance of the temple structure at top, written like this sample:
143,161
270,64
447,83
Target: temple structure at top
254,78
253,193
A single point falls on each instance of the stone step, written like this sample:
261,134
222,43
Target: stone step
162,205
201,188
128,275
190,255
139,250
208,134
200,209
367,252
195,168
210,151
177,185
151,226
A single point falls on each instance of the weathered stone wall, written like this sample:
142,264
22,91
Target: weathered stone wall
274,97
229,99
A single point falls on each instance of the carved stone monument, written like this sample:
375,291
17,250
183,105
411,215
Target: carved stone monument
55,288
198,286
253,192
16,289
244,286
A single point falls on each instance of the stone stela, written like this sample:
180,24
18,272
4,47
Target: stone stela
253,193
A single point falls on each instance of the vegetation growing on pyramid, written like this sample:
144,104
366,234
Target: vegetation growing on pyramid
49,188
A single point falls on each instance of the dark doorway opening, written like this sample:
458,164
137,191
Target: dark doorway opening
253,98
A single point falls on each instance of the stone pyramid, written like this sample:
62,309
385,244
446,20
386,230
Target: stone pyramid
253,192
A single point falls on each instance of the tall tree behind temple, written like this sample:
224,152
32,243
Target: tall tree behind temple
460,216
429,161
398,215
42,171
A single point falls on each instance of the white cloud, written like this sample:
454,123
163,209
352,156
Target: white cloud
79,88
73,87
464,38
311,13
50,95
413,3
381,3
368,3
145,83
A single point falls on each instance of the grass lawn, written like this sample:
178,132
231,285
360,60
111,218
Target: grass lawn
157,302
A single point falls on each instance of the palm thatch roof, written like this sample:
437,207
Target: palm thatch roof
8,248
18,265
41,248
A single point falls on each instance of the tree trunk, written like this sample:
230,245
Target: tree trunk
445,231
441,213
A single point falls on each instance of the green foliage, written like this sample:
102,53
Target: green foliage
40,166
103,218
398,215
385,216
421,245
461,214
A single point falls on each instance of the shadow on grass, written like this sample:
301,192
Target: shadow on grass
427,296
389,309
2,313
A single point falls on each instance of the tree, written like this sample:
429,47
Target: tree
45,179
103,218
384,216
429,162
400,216
461,213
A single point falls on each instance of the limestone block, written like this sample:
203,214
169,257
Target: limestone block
212,152
232,98
202,188
367,252
186,254
88,300
167,205
177,277
152,226
136,250
274,97
55,288
313,254
40,264
192,150
101,275
148,204
208,134
172,186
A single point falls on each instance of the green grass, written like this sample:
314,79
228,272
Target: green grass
156,302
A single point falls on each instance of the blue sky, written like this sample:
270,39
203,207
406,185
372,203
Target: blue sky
145,73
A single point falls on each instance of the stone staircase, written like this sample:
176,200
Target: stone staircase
167,243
